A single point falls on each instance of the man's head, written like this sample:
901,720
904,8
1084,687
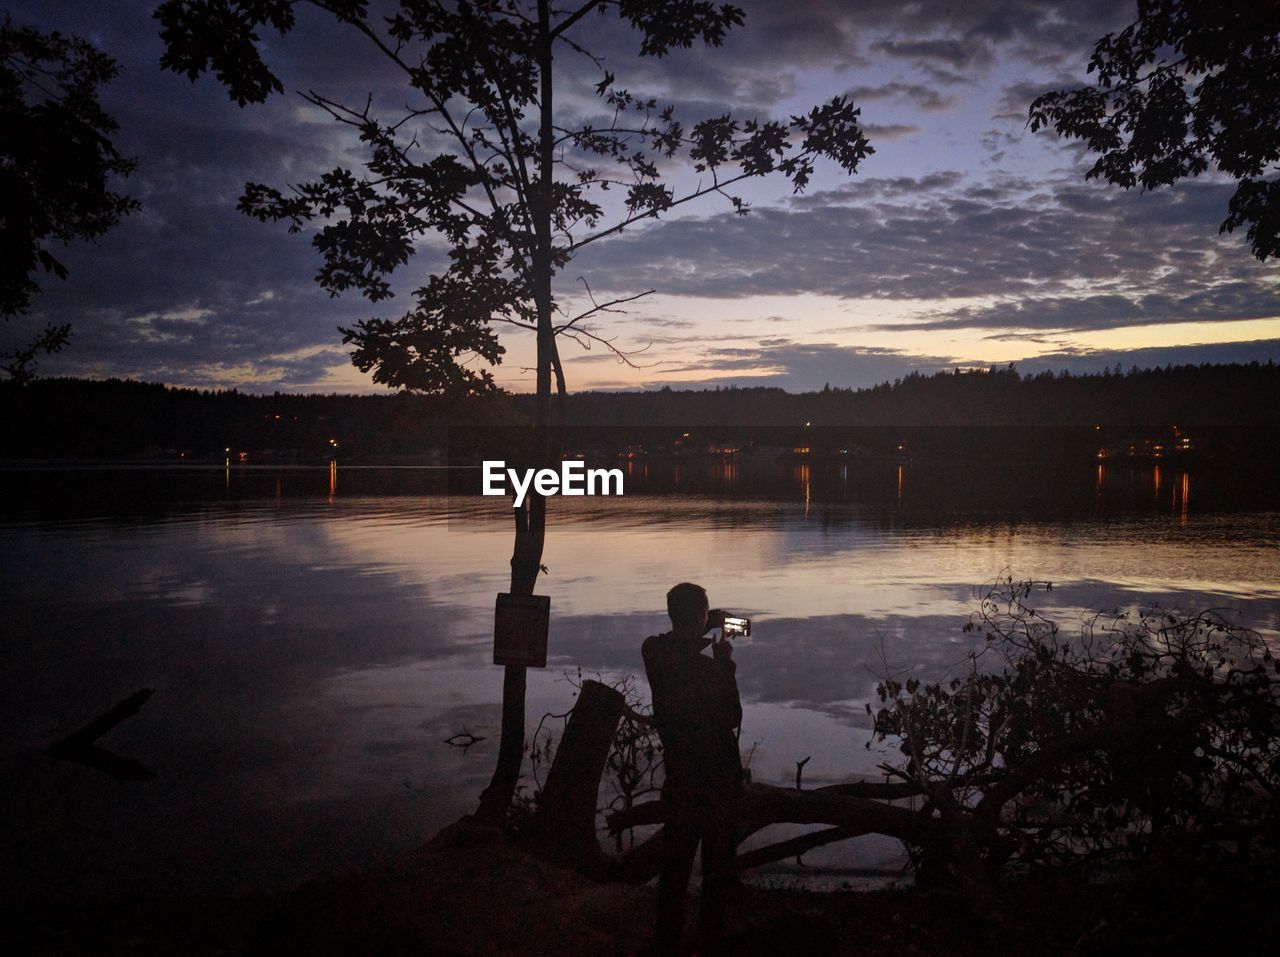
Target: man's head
688,606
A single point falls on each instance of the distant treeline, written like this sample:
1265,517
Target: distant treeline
113,418
1197,396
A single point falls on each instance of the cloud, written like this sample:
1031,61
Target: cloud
958,54
666,322
1016,98
1226,302
190,285
864,189
924,97
889,131
800,367
1087,361
796,366
996,142
1049,254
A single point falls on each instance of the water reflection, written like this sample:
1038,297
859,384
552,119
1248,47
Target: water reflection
942,492
804,480
311,644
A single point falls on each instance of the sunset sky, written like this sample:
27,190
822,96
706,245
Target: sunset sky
965,239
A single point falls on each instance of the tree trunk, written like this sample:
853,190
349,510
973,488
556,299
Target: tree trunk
531,520
567,808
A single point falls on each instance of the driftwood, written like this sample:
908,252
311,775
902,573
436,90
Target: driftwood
947,841
850,815
567,806
79,746
793,847
845,805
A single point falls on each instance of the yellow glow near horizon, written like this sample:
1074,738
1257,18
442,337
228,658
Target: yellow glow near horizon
1179,334
683,332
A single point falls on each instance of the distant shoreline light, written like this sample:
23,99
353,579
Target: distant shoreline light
573,478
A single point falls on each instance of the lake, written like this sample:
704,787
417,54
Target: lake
314,635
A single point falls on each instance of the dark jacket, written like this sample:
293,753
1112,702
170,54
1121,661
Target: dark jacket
695,709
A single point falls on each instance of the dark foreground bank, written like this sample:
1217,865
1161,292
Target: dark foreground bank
470,892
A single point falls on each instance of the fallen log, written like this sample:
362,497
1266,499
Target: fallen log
638,815
764,804
100,725
877,790
792,847
109,763
79,748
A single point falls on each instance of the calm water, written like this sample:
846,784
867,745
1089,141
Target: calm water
313,636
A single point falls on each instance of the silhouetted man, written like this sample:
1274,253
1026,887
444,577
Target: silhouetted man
695,710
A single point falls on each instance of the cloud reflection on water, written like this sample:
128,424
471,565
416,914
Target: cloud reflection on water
310,657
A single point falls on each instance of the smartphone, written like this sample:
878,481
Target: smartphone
736,627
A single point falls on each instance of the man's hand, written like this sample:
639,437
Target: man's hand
715,619
722,649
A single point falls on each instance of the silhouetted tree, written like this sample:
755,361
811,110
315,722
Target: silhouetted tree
56,164
481,158
1142,733
1190,85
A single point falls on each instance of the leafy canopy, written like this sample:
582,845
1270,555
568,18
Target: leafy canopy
1190,85
56,164
476,155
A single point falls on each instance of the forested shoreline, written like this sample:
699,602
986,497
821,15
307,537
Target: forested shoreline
82,418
